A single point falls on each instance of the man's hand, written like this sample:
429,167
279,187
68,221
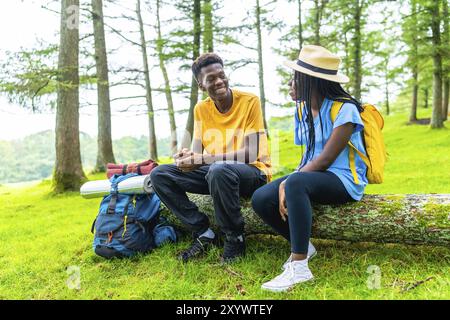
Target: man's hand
282,200
183,153
190,162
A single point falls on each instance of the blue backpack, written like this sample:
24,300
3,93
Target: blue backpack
128,224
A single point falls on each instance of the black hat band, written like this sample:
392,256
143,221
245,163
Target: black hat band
316,69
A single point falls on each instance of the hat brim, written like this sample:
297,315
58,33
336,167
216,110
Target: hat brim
340,78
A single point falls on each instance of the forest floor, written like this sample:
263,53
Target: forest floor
44,236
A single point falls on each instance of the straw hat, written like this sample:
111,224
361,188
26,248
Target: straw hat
318,62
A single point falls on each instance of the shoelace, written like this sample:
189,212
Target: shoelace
289,272
231,249
195,248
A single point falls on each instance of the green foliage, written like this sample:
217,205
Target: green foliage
28,75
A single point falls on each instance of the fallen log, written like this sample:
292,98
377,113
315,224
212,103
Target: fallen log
409,219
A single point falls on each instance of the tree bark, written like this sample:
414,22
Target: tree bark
300,25
415,67
386,85
167,89
187,138
409,219
446,73
148,88
357,50
104,141
413,114
317,23
436,117
68,174
262,93
208,33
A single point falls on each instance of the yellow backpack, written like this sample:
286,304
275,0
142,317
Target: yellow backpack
373,141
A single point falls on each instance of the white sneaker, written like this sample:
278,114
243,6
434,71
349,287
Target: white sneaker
295,272
311,253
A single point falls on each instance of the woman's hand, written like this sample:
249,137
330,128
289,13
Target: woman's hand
282,200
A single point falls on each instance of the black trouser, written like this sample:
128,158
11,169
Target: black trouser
225,182
301,189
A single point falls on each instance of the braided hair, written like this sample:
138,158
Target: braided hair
306,87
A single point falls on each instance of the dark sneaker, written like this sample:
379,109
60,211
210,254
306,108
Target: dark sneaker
197,248
233,249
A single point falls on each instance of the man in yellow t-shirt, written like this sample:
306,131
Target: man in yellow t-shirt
229,159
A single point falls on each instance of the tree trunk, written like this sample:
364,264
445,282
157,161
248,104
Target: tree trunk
386,86
415,68
410,219
446,73
445,101
208,33
262,92
68,174
104,141
148,88
426,98
436,117
167,89
347,59
300,25
317,23
187,138
413,114
357,51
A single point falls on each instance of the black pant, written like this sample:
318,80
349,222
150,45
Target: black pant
301,188
225,182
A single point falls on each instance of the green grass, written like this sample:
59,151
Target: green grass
43,234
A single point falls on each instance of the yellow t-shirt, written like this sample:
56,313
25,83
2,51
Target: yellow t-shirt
225,132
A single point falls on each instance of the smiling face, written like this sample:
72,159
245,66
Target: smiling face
213,80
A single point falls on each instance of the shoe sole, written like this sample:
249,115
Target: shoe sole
312,255
284,289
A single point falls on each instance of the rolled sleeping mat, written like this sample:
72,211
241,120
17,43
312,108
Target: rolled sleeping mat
101,188
148,187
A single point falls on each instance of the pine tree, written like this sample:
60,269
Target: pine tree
68,174
148,87
104,141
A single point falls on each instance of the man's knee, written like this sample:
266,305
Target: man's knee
158,173
218,172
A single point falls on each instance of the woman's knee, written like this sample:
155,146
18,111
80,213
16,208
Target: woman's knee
260,200
296,183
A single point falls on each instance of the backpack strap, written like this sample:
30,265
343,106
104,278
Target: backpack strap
335,108
114,194
115,180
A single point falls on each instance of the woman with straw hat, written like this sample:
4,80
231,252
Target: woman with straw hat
324,175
